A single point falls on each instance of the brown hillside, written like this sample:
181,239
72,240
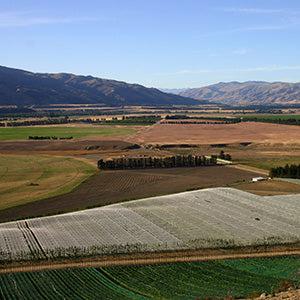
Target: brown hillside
248,93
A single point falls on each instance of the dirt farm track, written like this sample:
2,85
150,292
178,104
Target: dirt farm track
154,258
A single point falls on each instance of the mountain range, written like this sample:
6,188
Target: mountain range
247,93
24,88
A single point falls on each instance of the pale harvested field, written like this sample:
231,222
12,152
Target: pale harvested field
203,134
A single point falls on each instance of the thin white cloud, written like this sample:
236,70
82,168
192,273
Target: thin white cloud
261,10
250,28
195,71
240,51
20,19
254,69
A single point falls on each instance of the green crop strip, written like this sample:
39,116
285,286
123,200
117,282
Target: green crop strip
23,133
187,280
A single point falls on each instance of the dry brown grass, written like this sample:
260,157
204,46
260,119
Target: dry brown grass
203,134
26,178
270,188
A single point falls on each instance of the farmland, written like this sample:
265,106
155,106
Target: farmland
114,186
27,178
270,187
186,280
209,218
22,133
206,134
214,219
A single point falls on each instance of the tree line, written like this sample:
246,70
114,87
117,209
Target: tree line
156,162
285,121
36,137
39,122
289,171
198,122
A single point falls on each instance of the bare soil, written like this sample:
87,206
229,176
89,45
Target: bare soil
60,147
291,294
107,187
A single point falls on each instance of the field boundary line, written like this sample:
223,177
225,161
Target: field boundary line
125,260
247,168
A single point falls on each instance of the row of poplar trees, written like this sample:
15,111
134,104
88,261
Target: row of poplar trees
156,162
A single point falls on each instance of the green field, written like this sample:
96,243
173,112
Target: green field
279,119
22,133
266,163
189,280
26,178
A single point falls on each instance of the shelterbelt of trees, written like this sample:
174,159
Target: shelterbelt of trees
156,162
289,171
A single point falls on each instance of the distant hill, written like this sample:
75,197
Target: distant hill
23,88
173,91
248,93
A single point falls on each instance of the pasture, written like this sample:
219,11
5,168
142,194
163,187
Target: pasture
186,280
27,178
22,133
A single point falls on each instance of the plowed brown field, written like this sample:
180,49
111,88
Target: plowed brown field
114,186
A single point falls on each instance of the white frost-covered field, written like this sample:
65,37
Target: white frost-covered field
204,218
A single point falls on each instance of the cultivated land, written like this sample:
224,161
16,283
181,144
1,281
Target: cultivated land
114,186
203,219
226,220
22,133
185,280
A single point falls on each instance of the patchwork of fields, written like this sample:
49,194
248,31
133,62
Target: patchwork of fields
187,280
210,218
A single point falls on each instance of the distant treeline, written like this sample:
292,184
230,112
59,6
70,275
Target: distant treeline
35,137
178,119
38,122
156,162
273,119
199,122
289,171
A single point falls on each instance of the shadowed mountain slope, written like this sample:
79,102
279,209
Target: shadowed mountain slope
23,88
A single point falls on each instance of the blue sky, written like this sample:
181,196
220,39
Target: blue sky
163,44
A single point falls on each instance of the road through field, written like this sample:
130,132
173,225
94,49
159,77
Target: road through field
247,168
155,258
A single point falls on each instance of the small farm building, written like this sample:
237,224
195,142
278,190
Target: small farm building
255,179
